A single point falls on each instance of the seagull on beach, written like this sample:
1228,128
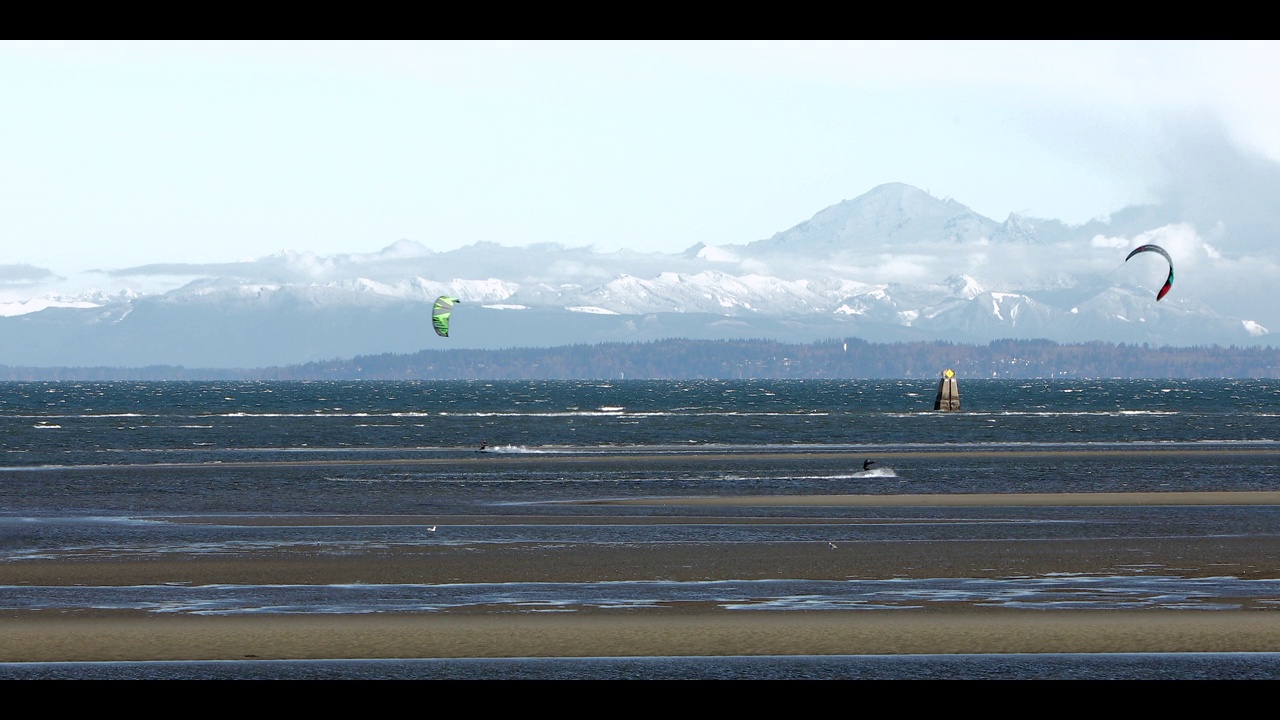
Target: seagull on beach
431,529
833,545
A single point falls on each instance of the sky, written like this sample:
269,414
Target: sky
116,154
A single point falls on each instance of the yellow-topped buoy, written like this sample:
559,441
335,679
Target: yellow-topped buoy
948,392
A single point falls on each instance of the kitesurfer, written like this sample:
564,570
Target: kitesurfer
483,444
866,464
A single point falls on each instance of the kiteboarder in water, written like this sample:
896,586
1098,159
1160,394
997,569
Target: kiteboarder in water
483,444
866,464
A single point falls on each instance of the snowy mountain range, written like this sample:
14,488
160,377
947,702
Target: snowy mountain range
893,264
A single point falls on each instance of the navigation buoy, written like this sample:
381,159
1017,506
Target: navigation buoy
948,392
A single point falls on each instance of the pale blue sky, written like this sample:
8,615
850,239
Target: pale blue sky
115,154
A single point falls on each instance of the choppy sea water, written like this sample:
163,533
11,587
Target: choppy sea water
139,468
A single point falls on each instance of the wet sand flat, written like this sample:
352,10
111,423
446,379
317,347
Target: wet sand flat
628,634
673,629
1243,557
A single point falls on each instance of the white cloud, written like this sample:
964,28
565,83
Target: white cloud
1102,241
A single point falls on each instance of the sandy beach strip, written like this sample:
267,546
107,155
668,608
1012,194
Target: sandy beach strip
674,629
1210,556
688,629
631,634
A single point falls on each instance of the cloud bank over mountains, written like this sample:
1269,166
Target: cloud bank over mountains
892,264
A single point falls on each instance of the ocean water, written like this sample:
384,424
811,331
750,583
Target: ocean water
138,468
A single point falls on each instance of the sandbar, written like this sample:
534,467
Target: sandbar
688,629
624,634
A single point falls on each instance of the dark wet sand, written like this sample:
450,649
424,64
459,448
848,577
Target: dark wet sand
686,629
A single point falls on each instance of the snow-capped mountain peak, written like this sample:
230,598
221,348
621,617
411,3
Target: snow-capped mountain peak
893,264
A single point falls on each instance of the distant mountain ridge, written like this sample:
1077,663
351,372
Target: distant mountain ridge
894,264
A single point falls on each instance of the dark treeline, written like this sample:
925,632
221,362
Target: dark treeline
740,359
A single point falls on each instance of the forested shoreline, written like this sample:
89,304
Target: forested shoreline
736,359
